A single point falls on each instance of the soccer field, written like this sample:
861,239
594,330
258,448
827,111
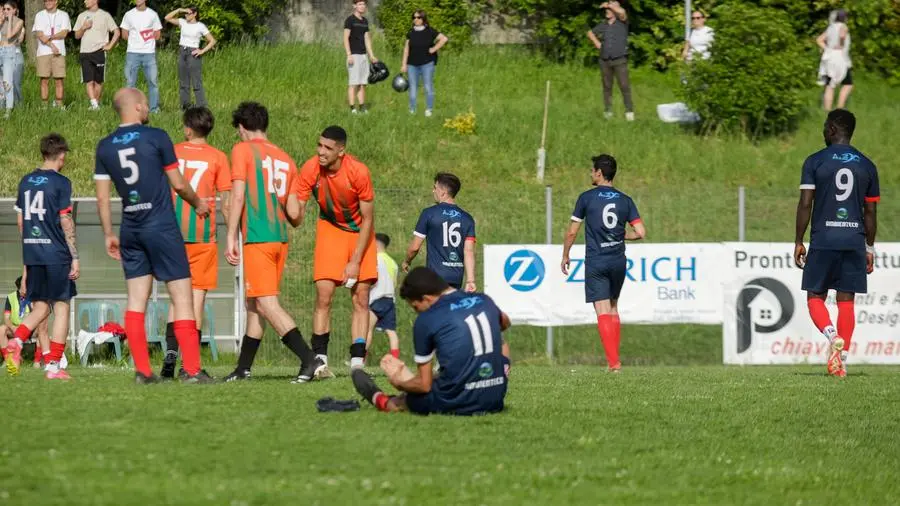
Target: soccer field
570,435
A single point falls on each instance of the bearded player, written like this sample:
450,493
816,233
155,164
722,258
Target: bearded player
839,187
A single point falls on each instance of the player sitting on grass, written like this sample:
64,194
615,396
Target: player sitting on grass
461,330
381,299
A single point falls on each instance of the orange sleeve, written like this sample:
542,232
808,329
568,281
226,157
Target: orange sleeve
362,183
239,161
223,173
305,180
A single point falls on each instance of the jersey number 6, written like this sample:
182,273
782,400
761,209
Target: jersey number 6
610,218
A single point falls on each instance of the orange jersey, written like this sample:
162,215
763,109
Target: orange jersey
206,169
339,193
268,173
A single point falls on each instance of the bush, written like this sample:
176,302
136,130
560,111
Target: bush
755,80
453,18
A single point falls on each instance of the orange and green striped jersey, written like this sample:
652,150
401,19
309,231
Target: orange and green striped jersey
339,192
206,169
268,173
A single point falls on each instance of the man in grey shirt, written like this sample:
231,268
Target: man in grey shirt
611,38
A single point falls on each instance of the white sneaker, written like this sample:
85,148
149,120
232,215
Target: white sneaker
428,113
629,116
608,115
94,107
357,363
323,372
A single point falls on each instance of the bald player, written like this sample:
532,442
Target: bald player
140,161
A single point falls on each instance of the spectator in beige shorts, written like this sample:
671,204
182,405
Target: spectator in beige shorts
51,26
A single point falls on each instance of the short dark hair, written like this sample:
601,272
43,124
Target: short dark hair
18,282
253,116
53,145
843,121
11,3
841,16
194,9
607,165
336,134
383,239
420,282
200,120
449,181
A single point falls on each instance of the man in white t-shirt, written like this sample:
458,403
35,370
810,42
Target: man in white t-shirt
190,63
700,40
141,27
51,26
93,28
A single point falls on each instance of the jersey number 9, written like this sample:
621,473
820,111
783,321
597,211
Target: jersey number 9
843,180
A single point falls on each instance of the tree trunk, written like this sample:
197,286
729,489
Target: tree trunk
32,7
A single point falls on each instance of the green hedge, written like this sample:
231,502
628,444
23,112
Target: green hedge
453,18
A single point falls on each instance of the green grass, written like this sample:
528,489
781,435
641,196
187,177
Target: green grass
685,185
571,435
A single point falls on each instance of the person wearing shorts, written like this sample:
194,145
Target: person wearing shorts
93,28
262,175
345,244
358,45
383,311
51,26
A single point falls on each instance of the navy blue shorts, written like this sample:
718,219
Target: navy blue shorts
844,271
157,252
603,281
430,403
386,312
49,283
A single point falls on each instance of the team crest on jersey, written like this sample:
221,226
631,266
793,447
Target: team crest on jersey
134,197
126,138
467,303
35,231
454,257
842,213
607,195
38,180
485,370
451,213
846,157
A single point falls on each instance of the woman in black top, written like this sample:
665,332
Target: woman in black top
419,58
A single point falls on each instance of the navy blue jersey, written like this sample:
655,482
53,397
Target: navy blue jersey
463,331
605,211
136,158
844,179
44,196
446,228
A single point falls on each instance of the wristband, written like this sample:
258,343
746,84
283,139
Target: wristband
870,249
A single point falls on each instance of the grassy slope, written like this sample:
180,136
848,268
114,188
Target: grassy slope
685,185
708,435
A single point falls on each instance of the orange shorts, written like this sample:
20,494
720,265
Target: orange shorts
334,247
263,267
204,265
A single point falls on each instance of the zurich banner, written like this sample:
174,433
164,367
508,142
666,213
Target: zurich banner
665,283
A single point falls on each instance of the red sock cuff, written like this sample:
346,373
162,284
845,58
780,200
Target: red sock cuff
185,325
381,400
134,315
845,304
23,332
56,351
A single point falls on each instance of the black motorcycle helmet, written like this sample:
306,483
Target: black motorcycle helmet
378,72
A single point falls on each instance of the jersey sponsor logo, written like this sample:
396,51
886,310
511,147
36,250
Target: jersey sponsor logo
841,224
454,257
846,157
764,305
38,180
451,213
524,270
485,370
608,195
36,231
467,303
134,197
842,213
486,383
147,35
126,138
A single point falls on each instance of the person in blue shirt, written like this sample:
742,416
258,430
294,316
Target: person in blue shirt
607,214
141,162
450,234
463,332
49,253
839,188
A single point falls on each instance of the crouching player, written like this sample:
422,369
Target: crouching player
461,330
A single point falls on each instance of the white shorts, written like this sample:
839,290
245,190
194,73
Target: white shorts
359,71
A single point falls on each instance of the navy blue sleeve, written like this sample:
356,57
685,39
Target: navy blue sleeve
808,177
421,230
167,151
469,232
100,169
873,192
633,215
423,342
580,209
64,196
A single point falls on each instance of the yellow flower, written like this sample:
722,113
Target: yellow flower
463,123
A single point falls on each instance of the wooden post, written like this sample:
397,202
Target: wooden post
28,12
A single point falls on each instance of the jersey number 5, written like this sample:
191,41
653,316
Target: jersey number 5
480,330
843,181
452,237
131,165
277,172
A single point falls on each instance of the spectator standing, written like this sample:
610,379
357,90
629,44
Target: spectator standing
92,28
611,38
51,26
12,31
20,57
141,27
420,55
836,66
701,39
358,44
190,63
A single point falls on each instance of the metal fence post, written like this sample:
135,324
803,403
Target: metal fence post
548,202
742,214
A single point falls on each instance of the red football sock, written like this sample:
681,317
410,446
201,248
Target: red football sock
846,322
23,333
617,332
395,353
819,314
3,353
186,334
381,400
38,354
56,351
606,327
137,342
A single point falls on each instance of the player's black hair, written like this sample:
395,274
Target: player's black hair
53,145
11,3
253,116
449,181
420,282
200,120
607,165
842,121
19,283
336,134
383,239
